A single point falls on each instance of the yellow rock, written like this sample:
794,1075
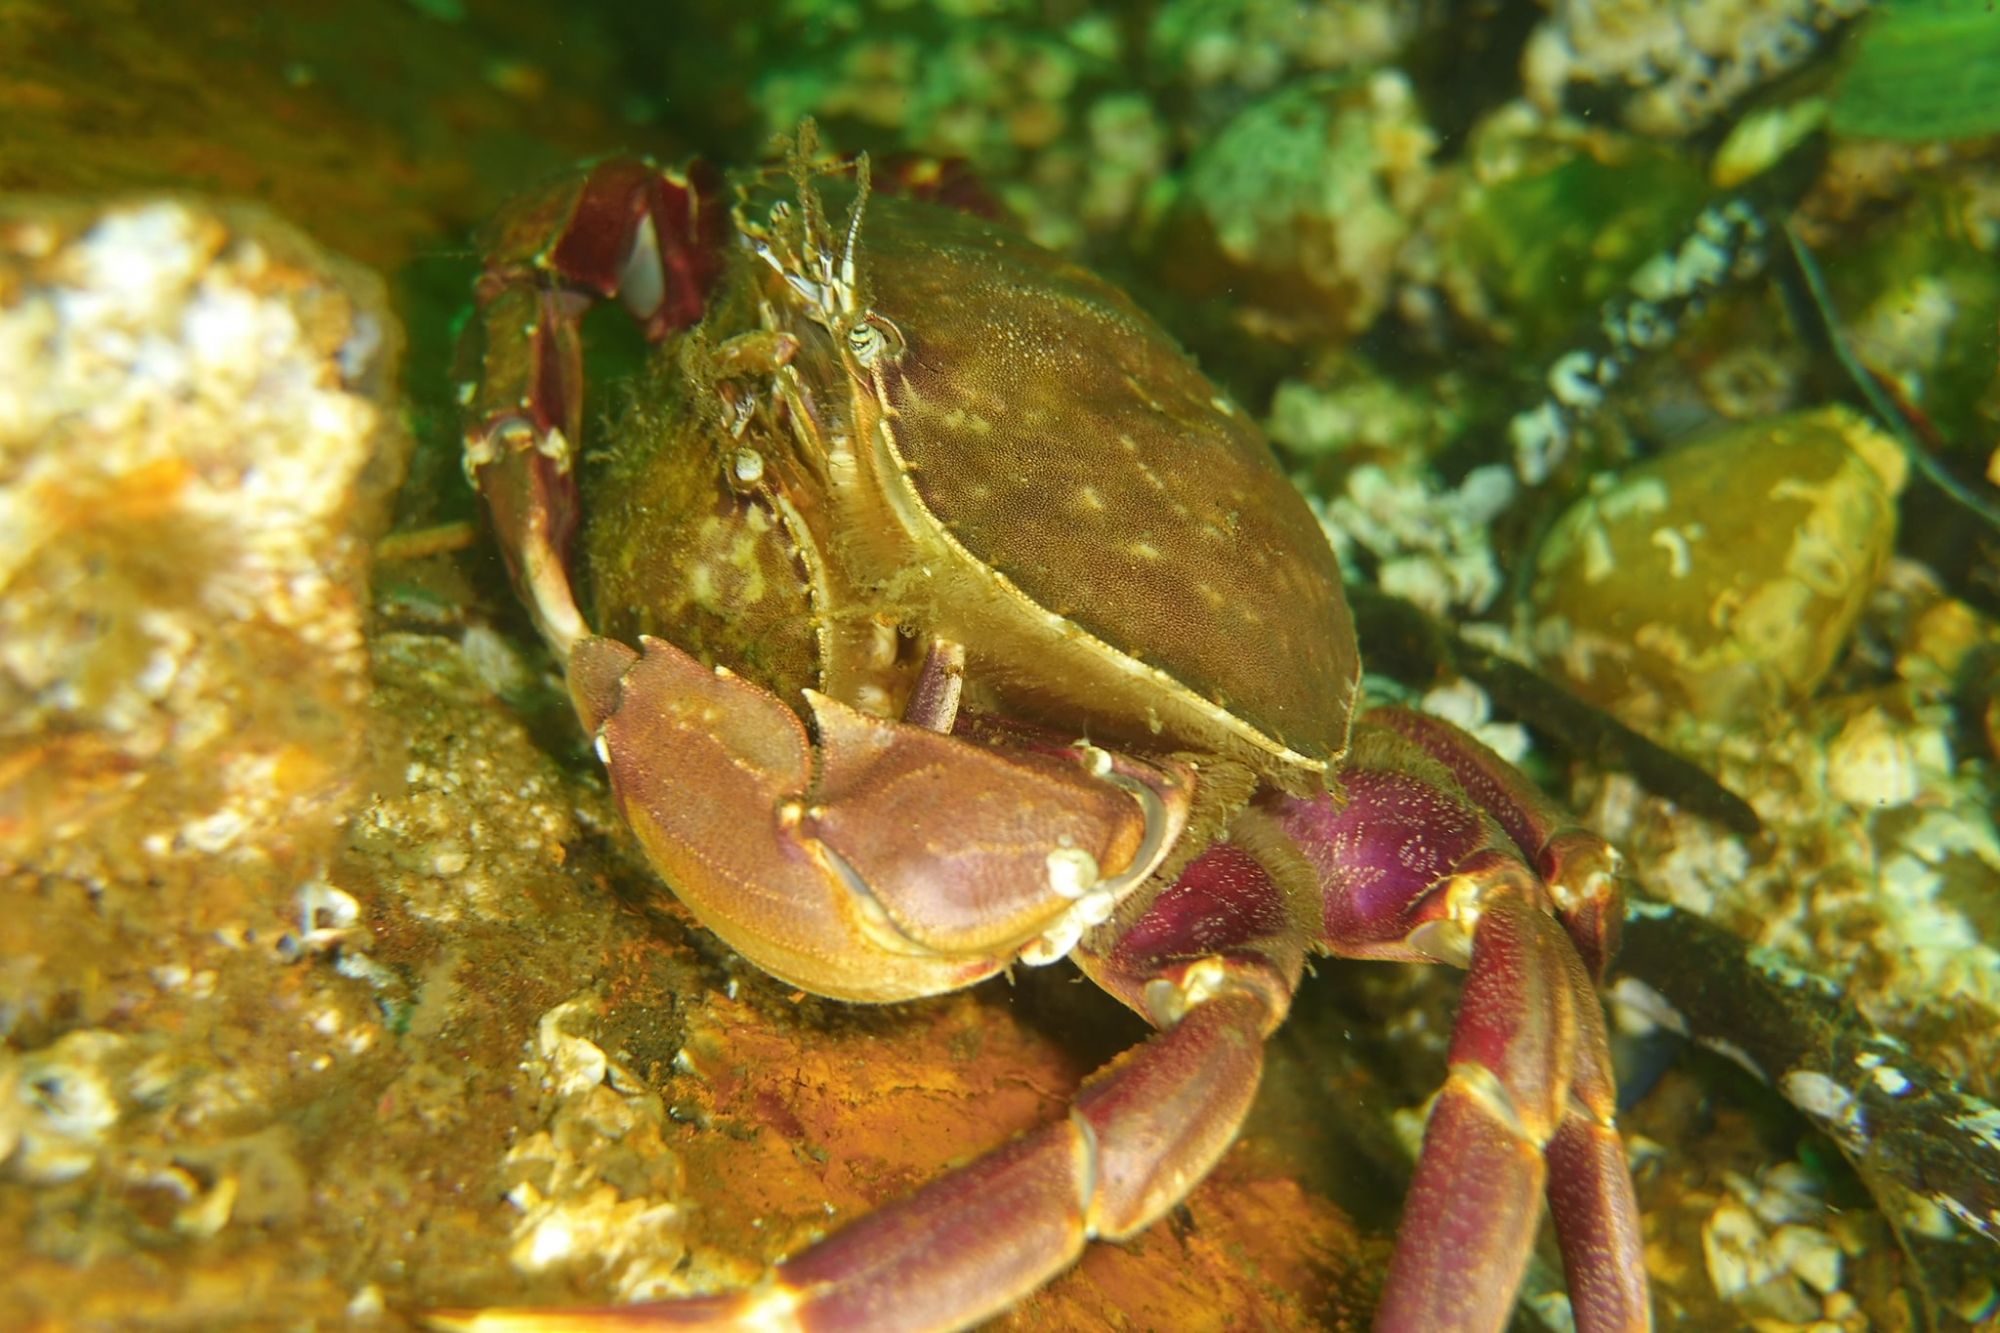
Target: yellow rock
1721,579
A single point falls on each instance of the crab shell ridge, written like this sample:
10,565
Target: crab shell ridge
1064,493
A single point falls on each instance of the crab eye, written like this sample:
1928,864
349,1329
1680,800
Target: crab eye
871,336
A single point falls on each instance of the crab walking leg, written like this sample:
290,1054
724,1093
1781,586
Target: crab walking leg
1580,868
1411,869
933,702
971,1244
623,228
1475,1201
882,861
1590,1185
1507,1123
520,454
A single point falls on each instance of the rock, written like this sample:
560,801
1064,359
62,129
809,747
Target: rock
199,439
1722,579
198,442
1287,223
1542,218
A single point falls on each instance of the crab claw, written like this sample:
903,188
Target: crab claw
886,861
623,228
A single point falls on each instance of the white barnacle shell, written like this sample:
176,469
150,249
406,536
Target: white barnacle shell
1872,762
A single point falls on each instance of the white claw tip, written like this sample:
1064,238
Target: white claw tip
1073,872
1095,908
1056,943
1095,760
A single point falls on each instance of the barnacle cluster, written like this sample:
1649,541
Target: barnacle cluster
1770,1248
1675,67
598,1188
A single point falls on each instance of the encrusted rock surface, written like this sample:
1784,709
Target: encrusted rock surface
1679,66
199,438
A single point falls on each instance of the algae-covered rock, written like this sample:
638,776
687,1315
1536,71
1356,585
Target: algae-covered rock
1722,579
1287,223
1920,294
1549,217
386,126
198,440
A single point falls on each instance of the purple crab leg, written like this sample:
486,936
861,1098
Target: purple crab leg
1580,868
1139,1134
623,228
1590,1187
1411,868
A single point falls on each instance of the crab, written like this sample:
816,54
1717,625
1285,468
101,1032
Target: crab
947,619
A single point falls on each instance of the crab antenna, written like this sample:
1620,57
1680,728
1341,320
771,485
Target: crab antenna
813,219
861,182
